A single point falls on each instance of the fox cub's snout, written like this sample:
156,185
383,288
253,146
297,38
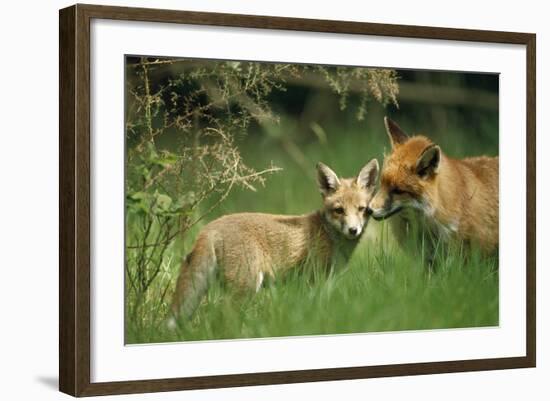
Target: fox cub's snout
345,202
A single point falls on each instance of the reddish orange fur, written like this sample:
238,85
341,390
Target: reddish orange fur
460,197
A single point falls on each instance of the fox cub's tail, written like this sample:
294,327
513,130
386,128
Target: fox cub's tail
197,271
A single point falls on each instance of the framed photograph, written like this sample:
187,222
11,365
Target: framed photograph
250,200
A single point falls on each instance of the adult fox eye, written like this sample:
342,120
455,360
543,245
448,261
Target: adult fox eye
338,210
398,191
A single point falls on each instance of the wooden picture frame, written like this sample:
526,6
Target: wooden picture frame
74,200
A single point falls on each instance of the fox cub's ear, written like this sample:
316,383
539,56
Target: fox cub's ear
327,179
396,134
368,174
428,162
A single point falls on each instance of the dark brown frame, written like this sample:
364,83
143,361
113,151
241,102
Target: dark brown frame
74,199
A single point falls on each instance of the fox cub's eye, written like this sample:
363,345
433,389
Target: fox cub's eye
361,209
338,210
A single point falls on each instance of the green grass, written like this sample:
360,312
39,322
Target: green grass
379,291
384,288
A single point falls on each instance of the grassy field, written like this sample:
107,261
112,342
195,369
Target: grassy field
384,288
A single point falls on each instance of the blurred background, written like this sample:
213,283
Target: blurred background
309,115
459,111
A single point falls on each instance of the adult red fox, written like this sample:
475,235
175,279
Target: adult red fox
454,198
247,248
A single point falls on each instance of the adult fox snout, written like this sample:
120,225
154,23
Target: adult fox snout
381,207
382,214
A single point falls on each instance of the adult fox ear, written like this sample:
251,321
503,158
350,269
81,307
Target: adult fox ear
327,179
396,134
428,162
368,174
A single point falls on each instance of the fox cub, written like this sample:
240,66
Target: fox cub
455,198
247,248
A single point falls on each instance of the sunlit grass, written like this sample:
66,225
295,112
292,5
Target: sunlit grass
379,291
